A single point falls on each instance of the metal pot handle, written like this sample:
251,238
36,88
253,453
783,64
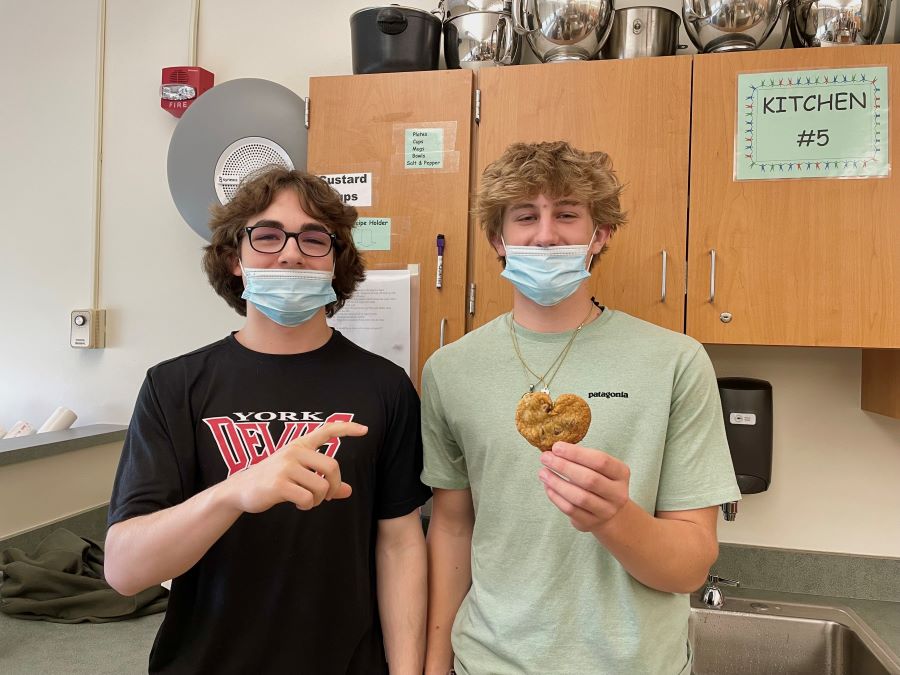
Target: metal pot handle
523,16
502,38
884,24
687,12
391,21
782,5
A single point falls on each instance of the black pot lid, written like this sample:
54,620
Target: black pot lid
406,11
232,130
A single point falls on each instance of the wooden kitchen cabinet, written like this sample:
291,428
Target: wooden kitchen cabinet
637,111
812,261
807,262
880,391
358,124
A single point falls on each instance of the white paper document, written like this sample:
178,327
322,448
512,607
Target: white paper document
377,317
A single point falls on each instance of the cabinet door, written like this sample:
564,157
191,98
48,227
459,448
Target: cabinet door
813,261
637,111
359,124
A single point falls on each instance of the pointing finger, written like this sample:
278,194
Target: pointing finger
326,432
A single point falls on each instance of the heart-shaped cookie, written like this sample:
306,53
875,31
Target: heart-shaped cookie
542,422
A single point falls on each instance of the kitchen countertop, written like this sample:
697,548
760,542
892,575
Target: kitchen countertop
38,446
122,647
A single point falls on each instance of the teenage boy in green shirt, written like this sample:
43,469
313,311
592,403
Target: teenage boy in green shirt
579,559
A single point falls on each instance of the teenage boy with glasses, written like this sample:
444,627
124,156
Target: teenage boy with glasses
578,559
274,474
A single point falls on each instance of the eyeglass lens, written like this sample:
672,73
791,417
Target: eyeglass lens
272,240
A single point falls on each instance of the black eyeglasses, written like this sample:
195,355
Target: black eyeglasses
268,239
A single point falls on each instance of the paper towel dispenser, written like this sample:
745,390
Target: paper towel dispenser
747,407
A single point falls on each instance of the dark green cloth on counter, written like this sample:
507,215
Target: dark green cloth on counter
62,581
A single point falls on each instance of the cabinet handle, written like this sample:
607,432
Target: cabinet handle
665,263
443,326
712,274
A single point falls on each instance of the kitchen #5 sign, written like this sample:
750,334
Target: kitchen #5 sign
825,123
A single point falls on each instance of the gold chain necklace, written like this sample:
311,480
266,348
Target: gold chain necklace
557,362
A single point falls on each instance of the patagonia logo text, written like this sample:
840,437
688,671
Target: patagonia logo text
608,394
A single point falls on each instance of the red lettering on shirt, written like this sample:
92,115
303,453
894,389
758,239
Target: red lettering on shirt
243,444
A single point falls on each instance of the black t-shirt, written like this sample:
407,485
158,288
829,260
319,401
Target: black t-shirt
284,591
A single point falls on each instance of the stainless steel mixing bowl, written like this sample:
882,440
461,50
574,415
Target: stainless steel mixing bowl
563,30
478,39
730,25
832,23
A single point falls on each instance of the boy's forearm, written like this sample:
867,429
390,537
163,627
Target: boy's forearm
450,576
147,550
673,556
402,591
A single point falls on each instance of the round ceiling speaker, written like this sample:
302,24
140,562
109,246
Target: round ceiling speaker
231,131
242,158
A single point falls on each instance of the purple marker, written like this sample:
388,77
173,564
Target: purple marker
440,261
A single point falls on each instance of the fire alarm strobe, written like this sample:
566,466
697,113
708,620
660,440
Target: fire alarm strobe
181,85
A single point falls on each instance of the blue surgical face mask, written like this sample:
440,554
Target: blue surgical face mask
547,275
288,297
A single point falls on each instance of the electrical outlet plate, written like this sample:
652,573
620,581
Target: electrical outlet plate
87,329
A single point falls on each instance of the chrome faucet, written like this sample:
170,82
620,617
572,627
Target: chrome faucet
729,509
712,595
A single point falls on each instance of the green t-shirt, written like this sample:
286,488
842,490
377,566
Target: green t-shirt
546,598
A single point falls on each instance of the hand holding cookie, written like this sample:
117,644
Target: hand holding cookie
542,422
589,486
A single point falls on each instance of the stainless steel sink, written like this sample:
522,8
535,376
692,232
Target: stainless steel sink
755,637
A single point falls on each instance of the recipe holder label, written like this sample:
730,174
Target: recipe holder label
372,234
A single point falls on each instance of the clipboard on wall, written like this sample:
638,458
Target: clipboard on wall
382,316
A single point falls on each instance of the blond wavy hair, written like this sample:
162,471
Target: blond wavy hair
556,170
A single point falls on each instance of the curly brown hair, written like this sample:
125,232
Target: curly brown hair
555,169
255,195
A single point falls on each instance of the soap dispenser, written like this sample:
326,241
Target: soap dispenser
747,408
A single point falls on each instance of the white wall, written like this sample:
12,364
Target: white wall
48,58
159,304
835,468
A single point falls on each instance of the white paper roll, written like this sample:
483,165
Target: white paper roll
20,428
62,418
50,421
